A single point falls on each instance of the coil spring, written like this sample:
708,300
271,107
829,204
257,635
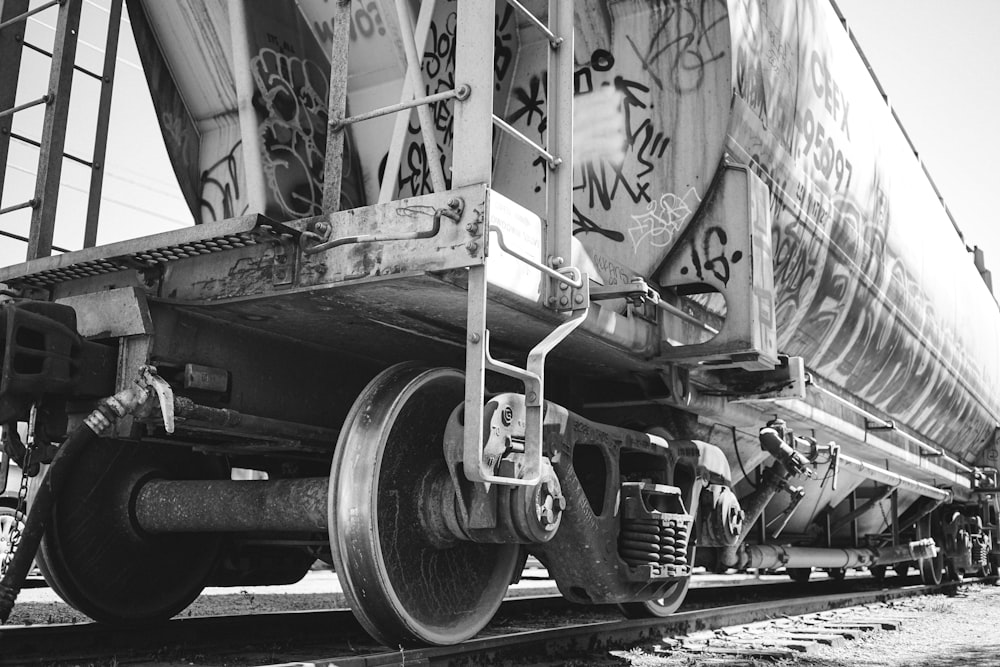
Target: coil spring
654,541
980,551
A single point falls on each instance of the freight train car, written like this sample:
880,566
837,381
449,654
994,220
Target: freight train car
631,286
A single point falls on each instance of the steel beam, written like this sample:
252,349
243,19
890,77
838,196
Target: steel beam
103,125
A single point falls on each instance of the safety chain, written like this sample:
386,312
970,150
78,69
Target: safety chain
21,510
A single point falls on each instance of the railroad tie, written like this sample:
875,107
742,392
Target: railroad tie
781,638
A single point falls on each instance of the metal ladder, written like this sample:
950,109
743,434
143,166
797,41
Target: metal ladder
13,17
567,289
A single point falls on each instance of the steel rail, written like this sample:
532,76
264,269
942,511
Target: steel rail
338,628
597,637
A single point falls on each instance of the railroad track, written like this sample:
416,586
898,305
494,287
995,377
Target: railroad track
522,629
590,639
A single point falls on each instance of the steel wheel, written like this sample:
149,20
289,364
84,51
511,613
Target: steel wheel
95,556
799,575
931,568
8,519
660,607
402,588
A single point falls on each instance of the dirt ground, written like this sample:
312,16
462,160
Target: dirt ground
959,630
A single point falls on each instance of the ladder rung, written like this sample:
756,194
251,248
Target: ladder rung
48,54
21,107
18,237
36,144
31,203
509,129
461,93
20,18
554,39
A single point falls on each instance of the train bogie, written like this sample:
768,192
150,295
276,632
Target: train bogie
707,340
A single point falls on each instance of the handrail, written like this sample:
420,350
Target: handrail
930,449
460,93
20,18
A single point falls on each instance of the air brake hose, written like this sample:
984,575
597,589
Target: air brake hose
38,517
127,401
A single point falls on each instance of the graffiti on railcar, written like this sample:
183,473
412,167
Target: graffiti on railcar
291,98
685,38
220,187
438,70
848,300
664,219
630,203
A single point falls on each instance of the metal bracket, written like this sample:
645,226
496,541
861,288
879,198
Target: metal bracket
532,377
285,264
726,250
788,380
319,240
888,425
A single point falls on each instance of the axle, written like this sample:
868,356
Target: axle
205,506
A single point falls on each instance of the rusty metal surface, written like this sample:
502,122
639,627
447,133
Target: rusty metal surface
144,251
201,418
286,505
112,313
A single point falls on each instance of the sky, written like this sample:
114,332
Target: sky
141,195
939,62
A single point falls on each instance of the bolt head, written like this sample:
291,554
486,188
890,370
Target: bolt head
578,298
474,338
564,301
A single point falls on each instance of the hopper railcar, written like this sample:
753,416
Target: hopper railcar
632,286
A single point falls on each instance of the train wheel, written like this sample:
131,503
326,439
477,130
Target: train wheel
402,588
96,557
931,568
661,607
837,573
799,575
